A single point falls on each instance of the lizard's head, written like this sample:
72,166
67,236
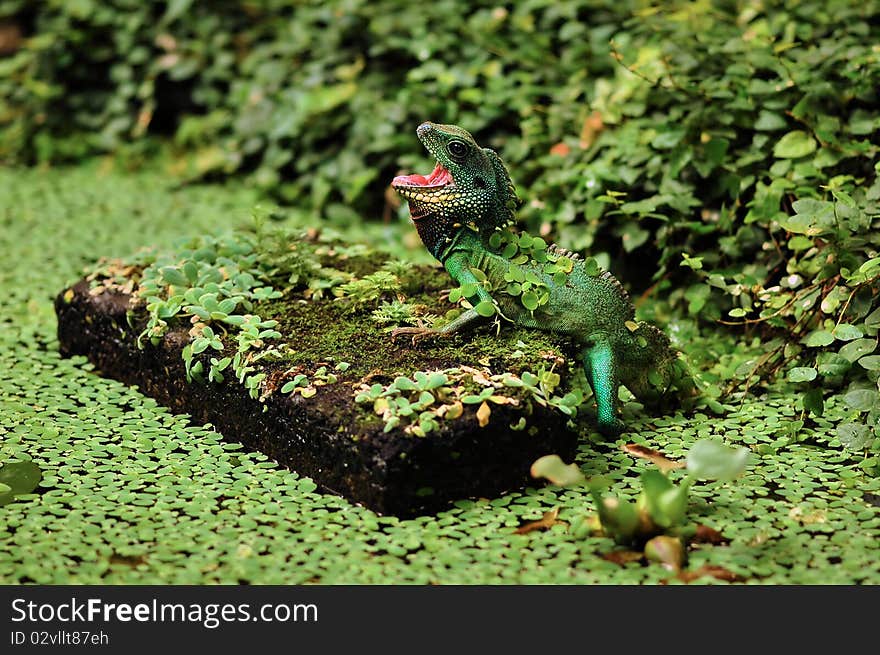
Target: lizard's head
468,185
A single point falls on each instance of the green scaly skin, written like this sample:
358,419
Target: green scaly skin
456,210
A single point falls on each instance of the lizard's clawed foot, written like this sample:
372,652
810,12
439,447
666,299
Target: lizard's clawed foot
417,333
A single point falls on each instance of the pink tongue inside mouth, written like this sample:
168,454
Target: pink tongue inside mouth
415,179
437,177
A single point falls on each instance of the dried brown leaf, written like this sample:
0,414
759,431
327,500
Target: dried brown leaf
560,149
591,129
661,461
707,535
544,523
481,376
11,37
622,557
718,572
483,414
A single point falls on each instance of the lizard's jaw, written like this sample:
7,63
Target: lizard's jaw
424,192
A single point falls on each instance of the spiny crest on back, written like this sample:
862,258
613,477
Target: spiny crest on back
507,198
608,277
554,249
579,264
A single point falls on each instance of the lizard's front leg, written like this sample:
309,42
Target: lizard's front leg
419,333
458,267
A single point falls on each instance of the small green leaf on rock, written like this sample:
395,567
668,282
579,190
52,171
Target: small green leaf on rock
403,383
172,275
485,308
436,379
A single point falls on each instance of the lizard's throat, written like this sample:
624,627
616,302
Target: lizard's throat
436,230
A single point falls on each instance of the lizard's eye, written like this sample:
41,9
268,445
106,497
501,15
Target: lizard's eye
457,149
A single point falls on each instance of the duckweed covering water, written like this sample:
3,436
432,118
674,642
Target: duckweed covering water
131,493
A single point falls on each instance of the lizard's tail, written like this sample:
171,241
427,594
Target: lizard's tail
654,371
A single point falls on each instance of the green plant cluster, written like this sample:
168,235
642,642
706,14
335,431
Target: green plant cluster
396,312
541,387
251,303
213,283
369,288
307,385
656,521
218,288
408,400
420,402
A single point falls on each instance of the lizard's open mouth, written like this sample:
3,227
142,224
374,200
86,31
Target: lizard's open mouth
423,193
439,177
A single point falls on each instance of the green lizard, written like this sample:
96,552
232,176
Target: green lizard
463,212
